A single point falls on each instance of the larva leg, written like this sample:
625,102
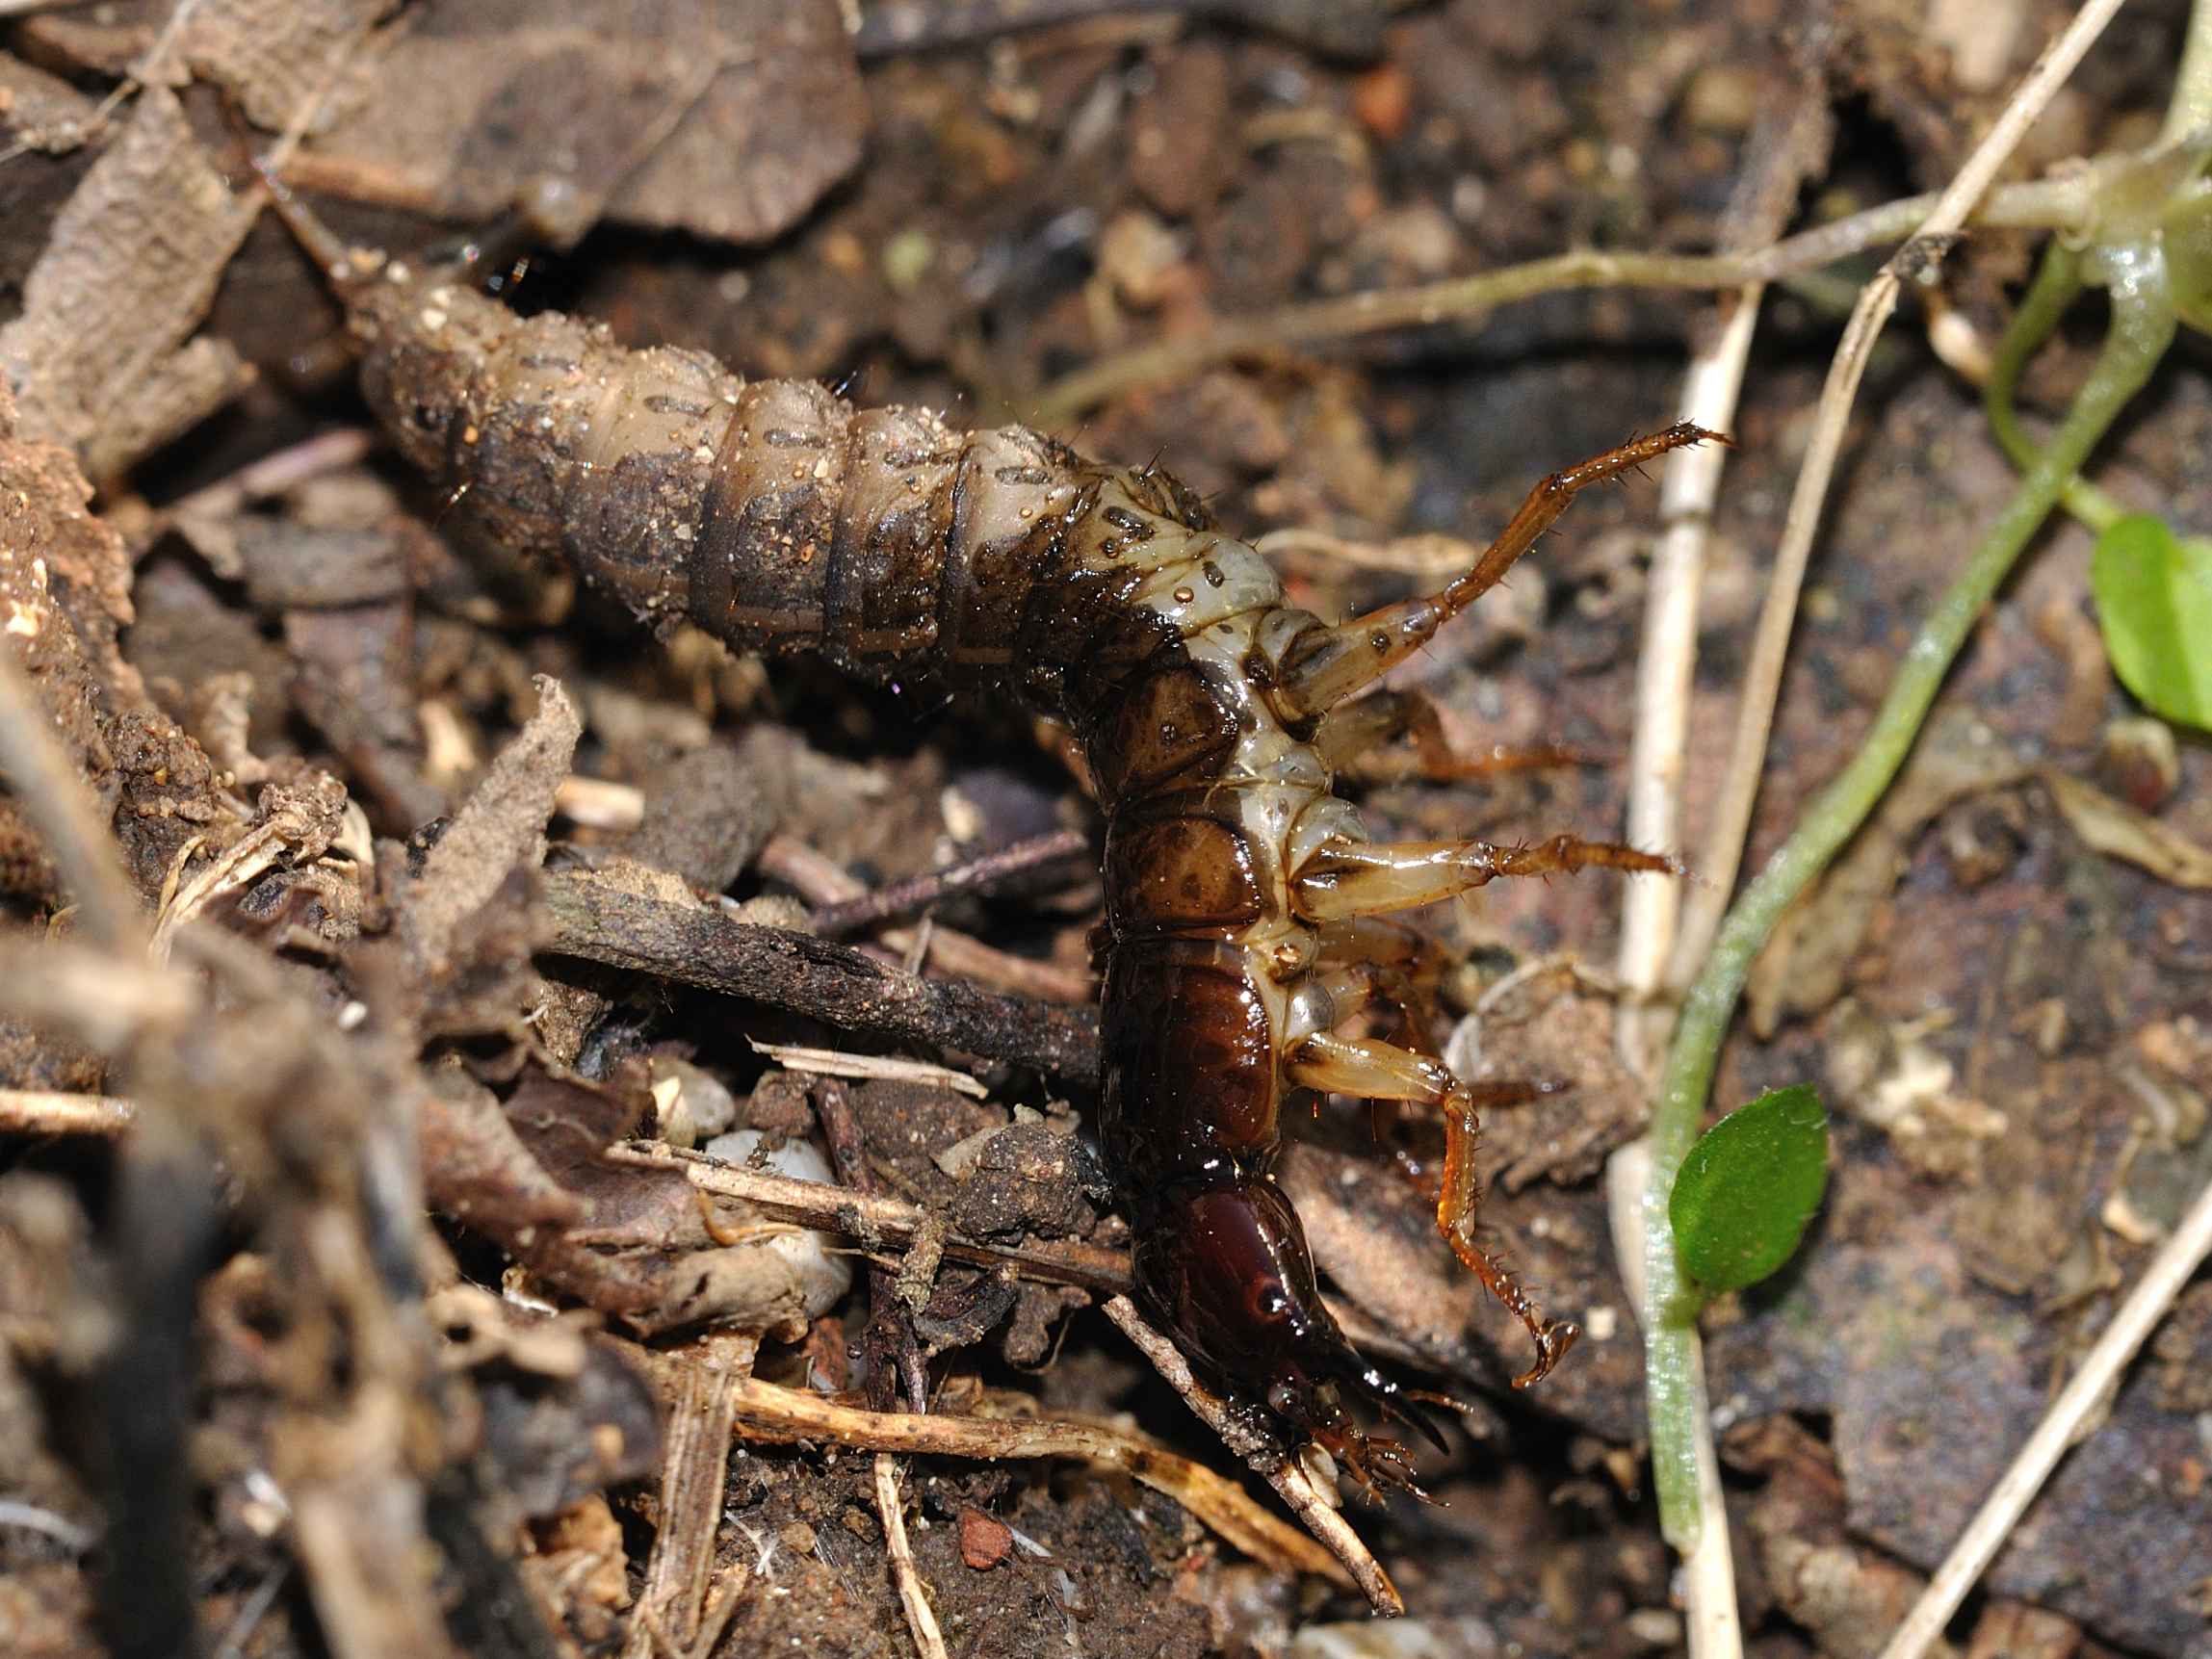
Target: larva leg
1356,1066
1332,994
1328,665
1408,966
1347,878
1388,944
1353,731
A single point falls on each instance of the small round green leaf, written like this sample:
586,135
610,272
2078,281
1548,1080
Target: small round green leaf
2155,600
1749,1185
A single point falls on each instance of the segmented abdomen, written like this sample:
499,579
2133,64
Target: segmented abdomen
781,518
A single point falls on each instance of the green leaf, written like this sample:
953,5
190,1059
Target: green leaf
2155,599
1749,1187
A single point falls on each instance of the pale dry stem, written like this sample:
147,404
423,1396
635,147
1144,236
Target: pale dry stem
45,1112
1688,487
1918,258
921,1617
763,1411
871,1216
823,883
2066,1421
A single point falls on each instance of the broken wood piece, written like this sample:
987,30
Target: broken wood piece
699,946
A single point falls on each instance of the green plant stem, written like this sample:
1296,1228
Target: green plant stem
2192,106
2058,283
2143,326
2053,204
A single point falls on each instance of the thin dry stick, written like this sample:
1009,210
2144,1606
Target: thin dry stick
1289,1480
270,475
42,1113
1918,258
921,1618
822,882
2171,1269
1688,487
1785,150
904,897
767,1413
2044,203
1664,675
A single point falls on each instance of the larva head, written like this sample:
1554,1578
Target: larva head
1228,1266
412,374
424,342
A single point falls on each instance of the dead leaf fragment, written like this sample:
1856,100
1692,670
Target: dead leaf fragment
1807,963
727,118
275,57
2117,830
499,829
98,358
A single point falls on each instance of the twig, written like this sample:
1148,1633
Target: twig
1666,663
273,474
822,882
53,796
252,1612
1918,259
2047,203
836,1063
43,1112
836,983
1284,1473
794,1415
1666,669
2171,1268
32,1518
2142,327
903,898
921,1617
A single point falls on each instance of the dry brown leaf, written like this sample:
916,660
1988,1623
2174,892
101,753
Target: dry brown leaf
727,118
275,57
98,358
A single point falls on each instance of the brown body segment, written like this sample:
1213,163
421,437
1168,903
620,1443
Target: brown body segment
1239,890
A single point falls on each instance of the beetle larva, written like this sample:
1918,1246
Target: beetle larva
1247,907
